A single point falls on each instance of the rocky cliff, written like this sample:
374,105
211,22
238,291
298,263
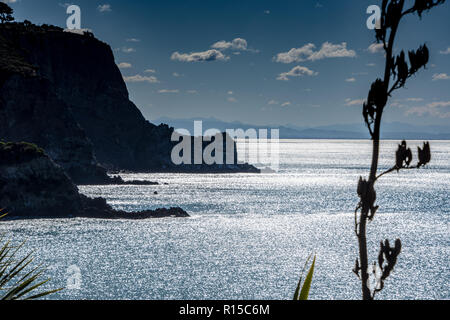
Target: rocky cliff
34,186
64,92
30,110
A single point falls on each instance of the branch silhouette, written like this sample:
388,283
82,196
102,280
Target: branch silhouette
398,71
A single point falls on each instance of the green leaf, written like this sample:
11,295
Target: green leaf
16,282
299,285
304,294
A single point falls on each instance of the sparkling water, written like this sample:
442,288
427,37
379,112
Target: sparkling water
249,235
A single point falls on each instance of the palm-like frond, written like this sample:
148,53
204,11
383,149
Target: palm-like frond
17,280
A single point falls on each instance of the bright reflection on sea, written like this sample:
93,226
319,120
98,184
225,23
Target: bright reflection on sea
249,235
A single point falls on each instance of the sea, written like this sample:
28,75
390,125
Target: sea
249,235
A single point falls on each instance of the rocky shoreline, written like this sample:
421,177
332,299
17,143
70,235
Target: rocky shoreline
33,186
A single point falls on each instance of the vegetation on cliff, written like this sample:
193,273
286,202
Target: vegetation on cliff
16,153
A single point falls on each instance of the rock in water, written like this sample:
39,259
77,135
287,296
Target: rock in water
33,186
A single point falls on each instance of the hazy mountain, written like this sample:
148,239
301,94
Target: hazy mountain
390,130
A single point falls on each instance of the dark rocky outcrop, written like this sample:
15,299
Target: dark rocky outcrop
32,185
64,92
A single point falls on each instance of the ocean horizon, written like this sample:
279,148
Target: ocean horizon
249,234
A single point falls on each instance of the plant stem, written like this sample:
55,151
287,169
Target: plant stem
362,238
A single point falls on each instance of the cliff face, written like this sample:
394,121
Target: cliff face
33,186
79,93
37,115
31,110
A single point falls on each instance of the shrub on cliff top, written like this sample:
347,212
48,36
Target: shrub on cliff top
6,13
18,152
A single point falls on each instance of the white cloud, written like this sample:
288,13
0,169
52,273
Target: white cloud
209,55
192,91
296,54
132,40
124,65
354,102
286,104
104,8
169,91
176,75
150,71
396,104
440,76
126,50
267,11
273,102
139,78
9,1
371,64
445,51
414,99
439,109
236,44
216,53
375,48
350,80
328,50
232,99
297,71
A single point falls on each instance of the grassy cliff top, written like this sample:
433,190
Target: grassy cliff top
12,153
12,58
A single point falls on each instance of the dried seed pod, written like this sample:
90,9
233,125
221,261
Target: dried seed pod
373,211
360,186
377,95
400,155
380,256
425,54
409,157
388,255
424,154
368,113
418,58
402,68
357,268
422,5
398,247
413,61
403,156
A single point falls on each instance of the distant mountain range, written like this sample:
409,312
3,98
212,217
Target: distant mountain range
390,130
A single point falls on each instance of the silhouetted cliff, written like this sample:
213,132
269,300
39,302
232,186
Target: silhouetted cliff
64,92
33,186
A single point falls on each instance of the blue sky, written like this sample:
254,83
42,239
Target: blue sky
179,58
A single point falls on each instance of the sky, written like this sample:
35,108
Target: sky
302,63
